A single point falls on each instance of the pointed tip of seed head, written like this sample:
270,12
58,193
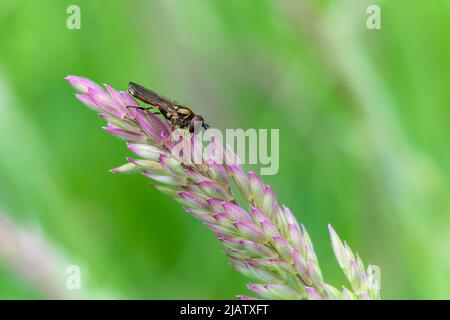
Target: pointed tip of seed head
330,229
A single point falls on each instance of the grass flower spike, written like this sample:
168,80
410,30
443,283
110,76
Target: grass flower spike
261,236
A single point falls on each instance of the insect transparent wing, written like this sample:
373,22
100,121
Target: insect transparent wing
151,97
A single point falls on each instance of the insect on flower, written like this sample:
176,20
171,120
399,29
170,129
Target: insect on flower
263,239
177,114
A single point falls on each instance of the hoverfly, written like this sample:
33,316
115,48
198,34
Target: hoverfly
177,114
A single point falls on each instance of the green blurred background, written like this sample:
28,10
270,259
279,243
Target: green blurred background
363,115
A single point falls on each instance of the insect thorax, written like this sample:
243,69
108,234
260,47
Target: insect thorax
185,112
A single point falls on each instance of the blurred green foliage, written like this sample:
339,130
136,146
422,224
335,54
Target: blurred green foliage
363,117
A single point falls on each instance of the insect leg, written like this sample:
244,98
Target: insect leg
170,134
165,114
138,107
143,108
